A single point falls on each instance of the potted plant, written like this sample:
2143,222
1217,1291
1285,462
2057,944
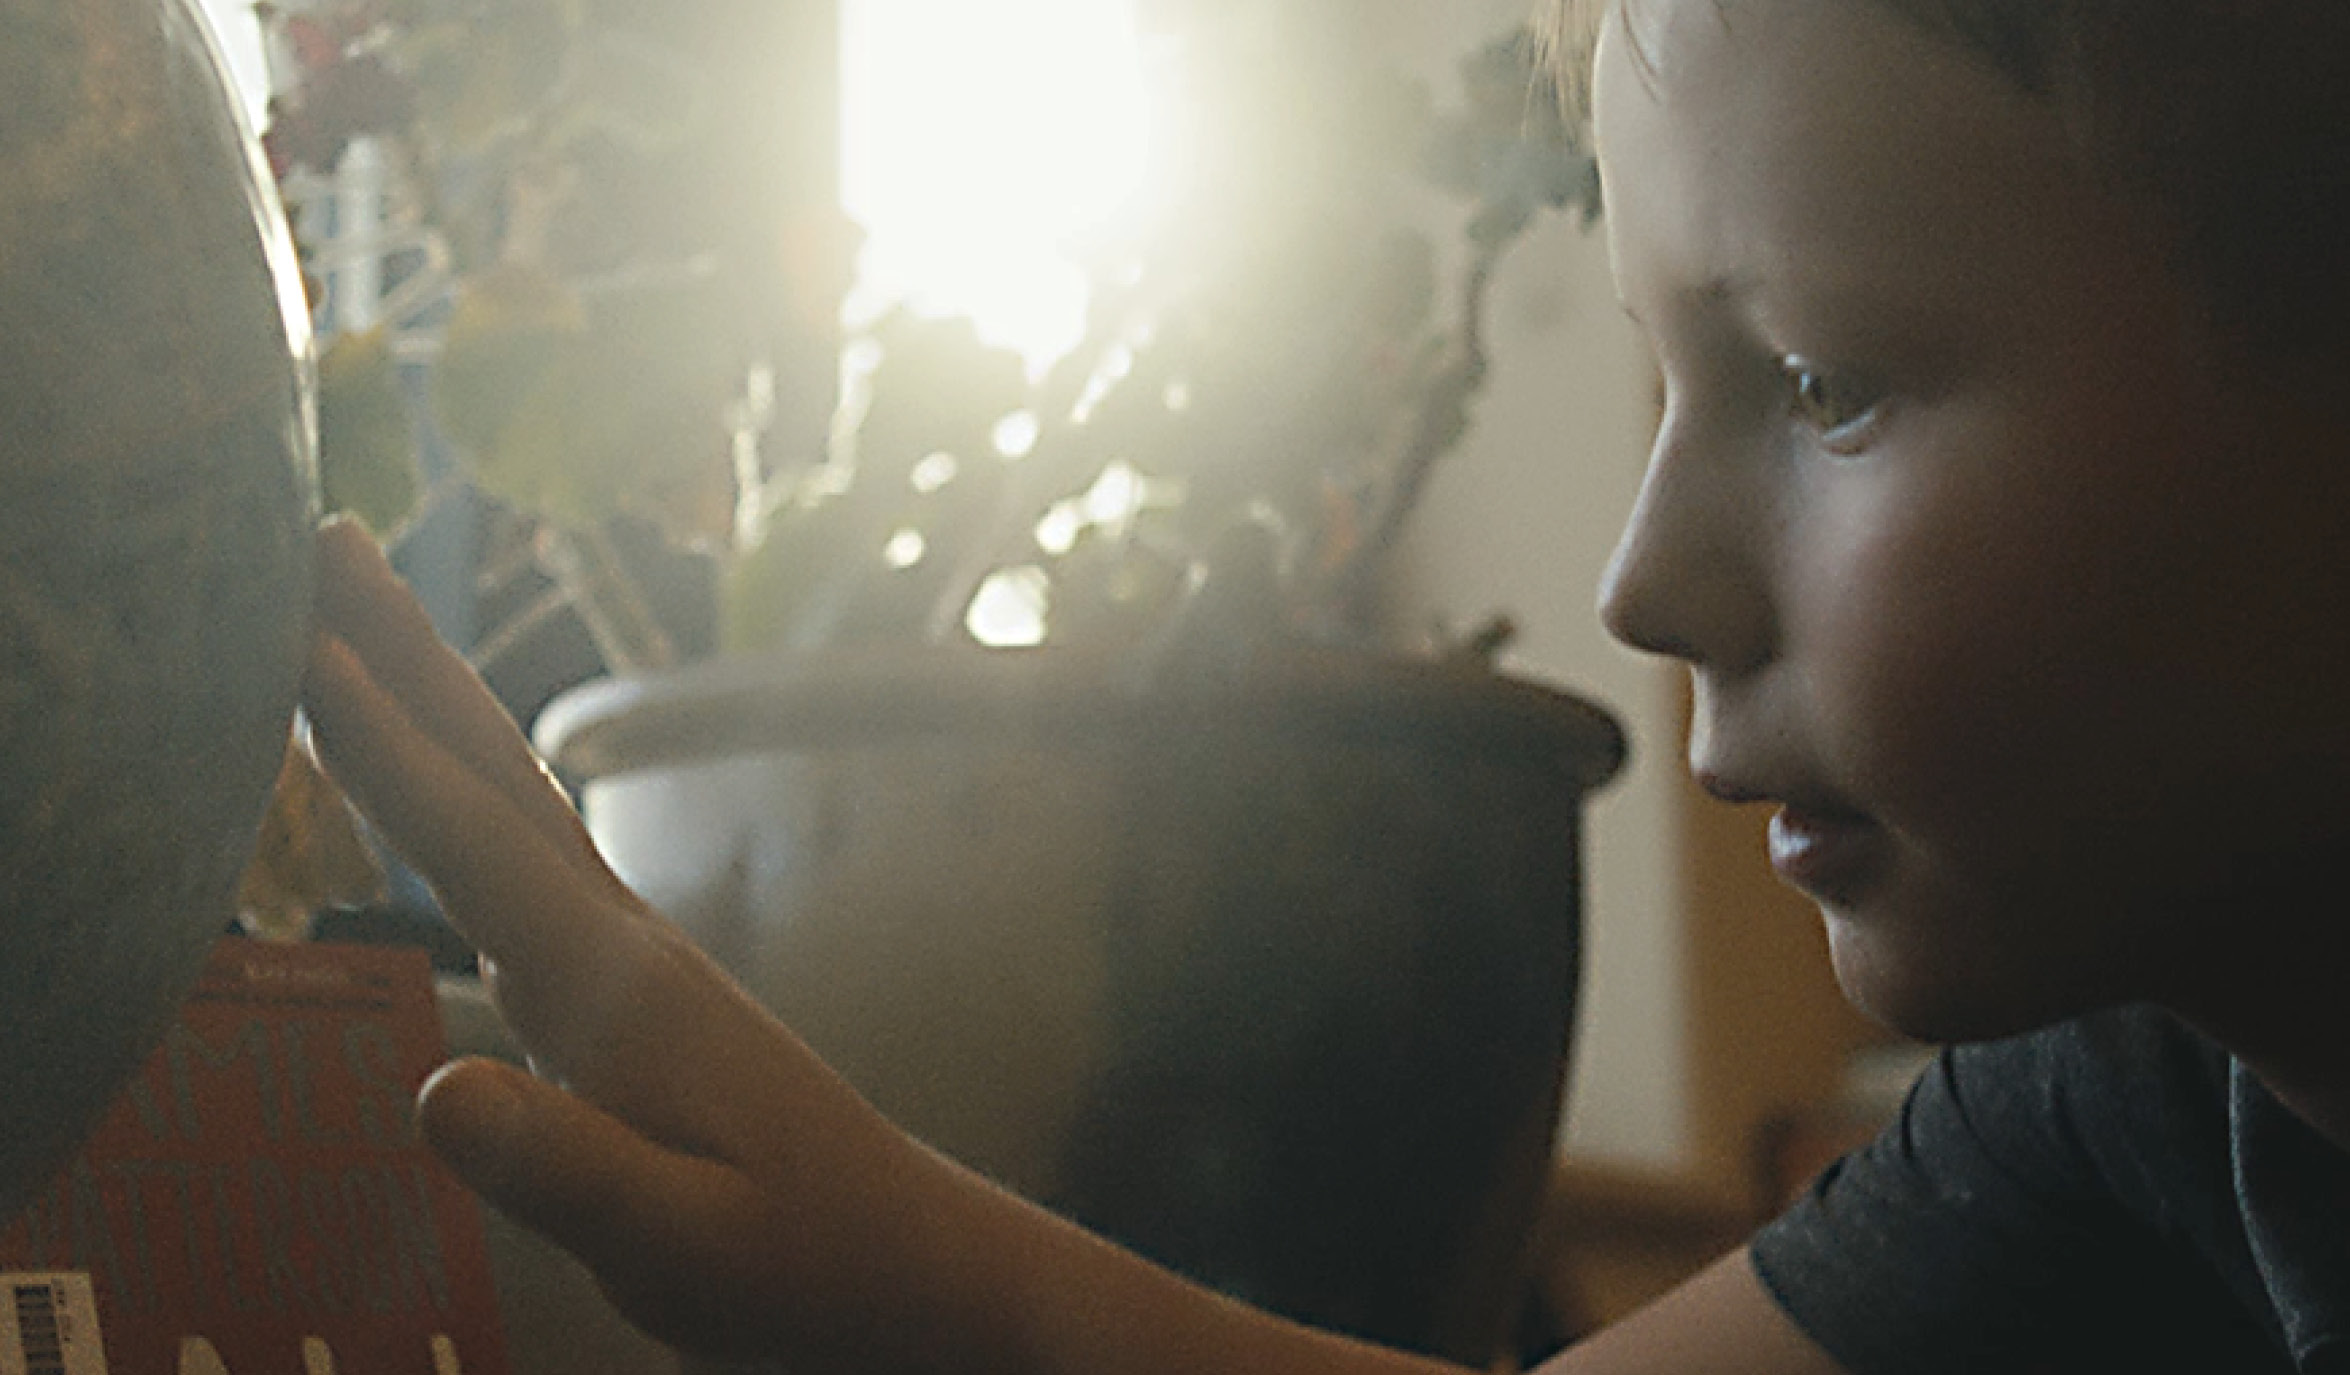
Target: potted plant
1063,785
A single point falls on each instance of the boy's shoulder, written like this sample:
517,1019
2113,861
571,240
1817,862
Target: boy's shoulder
2137,1091
2196,1150
2084,1191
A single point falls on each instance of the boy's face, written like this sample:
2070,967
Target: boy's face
2011,586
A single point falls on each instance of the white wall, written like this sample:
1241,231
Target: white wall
1521,519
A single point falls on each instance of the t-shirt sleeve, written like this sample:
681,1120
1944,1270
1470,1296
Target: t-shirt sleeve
1979,1232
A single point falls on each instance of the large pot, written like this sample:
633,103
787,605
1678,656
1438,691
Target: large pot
156,478
1270,977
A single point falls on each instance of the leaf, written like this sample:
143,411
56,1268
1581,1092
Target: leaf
544,456
366,445
314,44
510,326
481,74
309,855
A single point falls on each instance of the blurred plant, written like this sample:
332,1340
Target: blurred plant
1268,382
553,247
1271,372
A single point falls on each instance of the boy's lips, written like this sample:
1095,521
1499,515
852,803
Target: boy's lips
1828,852
1817,844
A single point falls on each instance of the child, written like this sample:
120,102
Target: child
1996,510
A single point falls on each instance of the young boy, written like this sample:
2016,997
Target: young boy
1997,511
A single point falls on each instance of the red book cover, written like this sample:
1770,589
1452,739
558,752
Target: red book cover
258,1202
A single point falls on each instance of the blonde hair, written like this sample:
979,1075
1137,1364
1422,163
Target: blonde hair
1566,31
2230,119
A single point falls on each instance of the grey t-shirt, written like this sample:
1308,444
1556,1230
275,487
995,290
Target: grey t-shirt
2113,1193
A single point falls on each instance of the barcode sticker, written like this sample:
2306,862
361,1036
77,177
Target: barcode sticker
49,1324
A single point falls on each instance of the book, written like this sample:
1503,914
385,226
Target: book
258,1201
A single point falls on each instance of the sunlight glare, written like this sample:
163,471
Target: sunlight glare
1016,435
934,472
905,549
238,29
1011,608
1116,495
1058,532
980,145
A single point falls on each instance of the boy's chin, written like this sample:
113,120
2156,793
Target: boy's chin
1931,992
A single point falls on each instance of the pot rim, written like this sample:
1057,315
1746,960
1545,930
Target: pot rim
800,702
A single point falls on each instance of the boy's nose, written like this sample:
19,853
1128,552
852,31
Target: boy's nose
1688,576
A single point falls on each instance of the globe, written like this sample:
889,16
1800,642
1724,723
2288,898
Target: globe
157,477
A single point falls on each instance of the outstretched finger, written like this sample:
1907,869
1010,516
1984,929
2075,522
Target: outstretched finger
595,985
522,897
653,1224
363,603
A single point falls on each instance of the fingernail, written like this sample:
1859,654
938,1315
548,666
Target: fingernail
479,1110
347,543
331,658
337,532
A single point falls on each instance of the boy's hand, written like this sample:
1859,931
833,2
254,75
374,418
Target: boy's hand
732,1195
702,1163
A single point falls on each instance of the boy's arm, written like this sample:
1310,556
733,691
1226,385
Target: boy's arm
731,1194
1035,1294
1722,1322
896,1261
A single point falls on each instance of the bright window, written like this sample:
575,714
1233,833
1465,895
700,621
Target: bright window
984,144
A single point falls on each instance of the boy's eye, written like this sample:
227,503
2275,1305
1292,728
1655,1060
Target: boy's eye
1830,403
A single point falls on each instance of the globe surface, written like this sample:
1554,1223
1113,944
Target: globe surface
157,473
